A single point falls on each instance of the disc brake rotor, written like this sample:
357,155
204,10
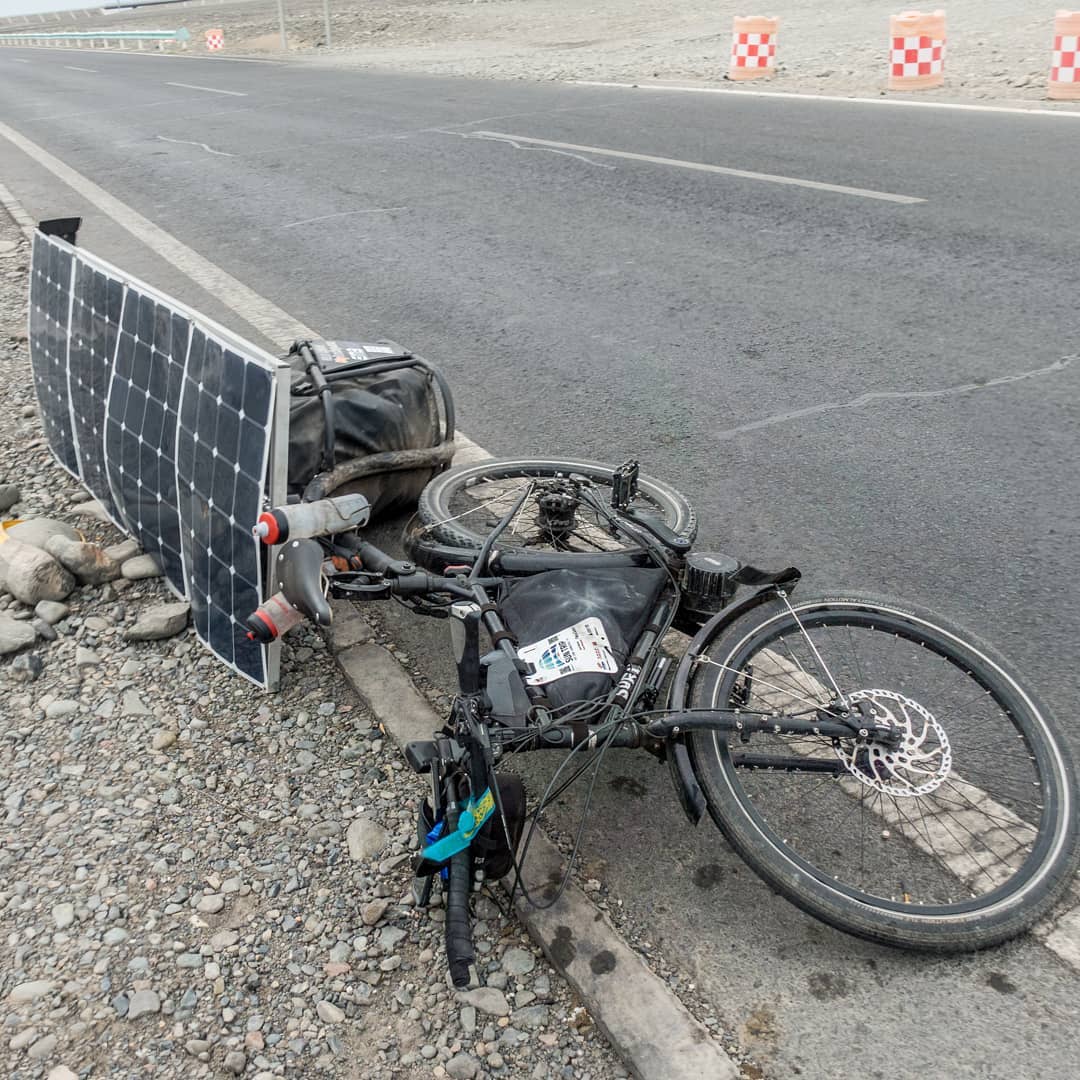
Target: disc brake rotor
917,766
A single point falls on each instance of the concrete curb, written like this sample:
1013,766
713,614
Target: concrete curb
18,214
648,1026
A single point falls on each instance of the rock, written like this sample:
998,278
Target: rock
120,1004
143,1003
116,935
468,1020
63,915
85,657
195,1047
126,549
44,630
391,937
329,1013
518,962
531,1017
30,991
15,635
86,561
374,911
91,509
462,1067
9,496
27,667
163,621
42,1048
132,705
141,566
366,839
31,575
210,904
223,939
487,1000
62,1072
163,739
236,1061
37,532
23,1039
50,611
55,710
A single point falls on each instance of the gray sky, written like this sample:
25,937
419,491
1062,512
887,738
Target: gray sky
24,7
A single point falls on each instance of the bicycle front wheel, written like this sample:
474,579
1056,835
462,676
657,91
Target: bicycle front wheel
462,506
952,826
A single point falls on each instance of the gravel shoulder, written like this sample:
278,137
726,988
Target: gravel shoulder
998,50
200,879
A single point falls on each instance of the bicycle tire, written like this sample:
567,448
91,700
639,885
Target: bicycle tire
1003,912
434,504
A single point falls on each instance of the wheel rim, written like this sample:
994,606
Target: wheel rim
979,837
479,503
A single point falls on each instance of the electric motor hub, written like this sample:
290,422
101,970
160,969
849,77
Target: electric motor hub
707,584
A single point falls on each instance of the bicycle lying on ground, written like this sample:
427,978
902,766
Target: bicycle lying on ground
876,765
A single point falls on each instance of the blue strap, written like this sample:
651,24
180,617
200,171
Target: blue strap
470,822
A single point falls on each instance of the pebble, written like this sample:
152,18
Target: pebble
42,1048
236,1061
163,739
63,707
23,1039
116,935
487,1000
62,1072
15,635
143,1003
141,566
518,962
30,991
63,915
210,904
329,1013
51,612
365,839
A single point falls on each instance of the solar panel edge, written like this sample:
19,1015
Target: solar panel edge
271,397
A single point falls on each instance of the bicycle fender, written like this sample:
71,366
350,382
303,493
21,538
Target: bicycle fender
681,682
680,765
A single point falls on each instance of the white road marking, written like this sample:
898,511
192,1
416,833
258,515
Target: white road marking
72,67
273,323
264,315
344,213
901,102
871,397
703,167
20,60
518,146
188,142
208,89
698,166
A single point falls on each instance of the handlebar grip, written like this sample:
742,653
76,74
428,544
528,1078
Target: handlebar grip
459,946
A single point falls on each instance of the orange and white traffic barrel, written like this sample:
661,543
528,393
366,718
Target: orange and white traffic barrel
753,46
917,59
1065,62
215,39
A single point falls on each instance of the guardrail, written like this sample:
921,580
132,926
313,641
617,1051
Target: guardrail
75,39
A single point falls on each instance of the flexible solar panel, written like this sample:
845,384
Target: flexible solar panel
170,421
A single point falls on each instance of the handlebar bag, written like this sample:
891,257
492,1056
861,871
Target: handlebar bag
537,607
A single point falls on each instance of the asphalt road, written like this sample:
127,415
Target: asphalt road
715,326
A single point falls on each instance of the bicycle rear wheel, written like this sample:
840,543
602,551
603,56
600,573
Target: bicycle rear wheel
462,506
958,834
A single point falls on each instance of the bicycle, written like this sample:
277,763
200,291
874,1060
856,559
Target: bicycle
876,765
